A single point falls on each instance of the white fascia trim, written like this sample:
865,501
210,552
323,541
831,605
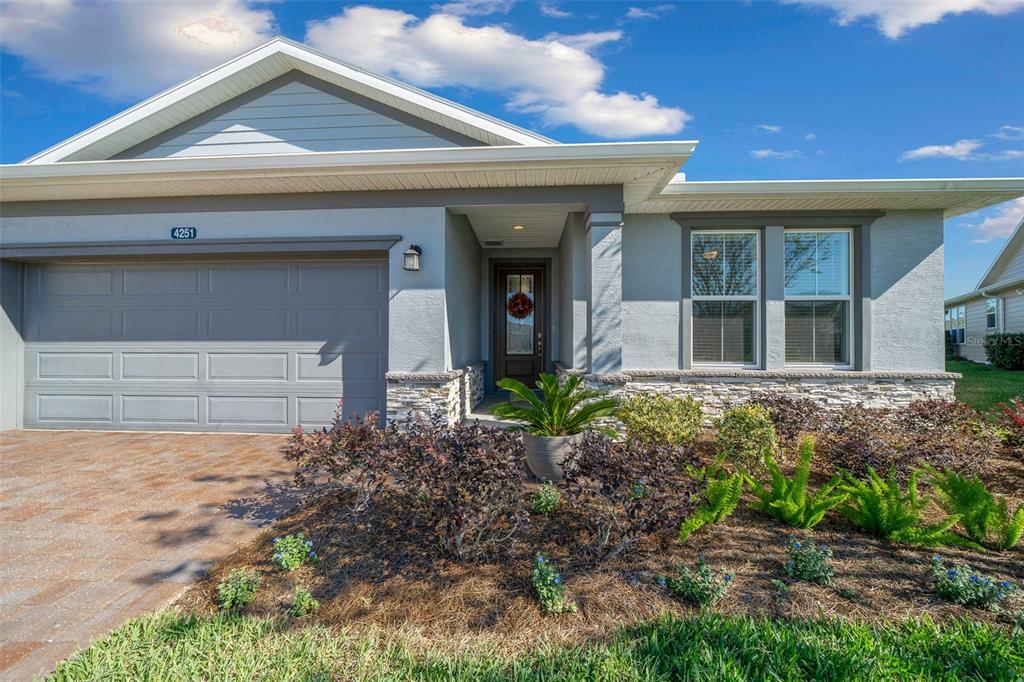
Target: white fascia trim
1018,233
676,152
297,55
679,187
985,291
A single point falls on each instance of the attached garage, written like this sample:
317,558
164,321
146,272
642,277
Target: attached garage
204,345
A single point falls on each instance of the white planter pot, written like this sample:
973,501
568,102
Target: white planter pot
544,454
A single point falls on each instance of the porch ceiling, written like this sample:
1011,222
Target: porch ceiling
542,224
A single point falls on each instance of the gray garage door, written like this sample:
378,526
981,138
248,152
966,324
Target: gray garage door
203,346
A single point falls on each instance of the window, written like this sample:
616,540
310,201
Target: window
726,285
817,290
991,314
956,324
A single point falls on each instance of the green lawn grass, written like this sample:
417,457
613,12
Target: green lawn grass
983,386
168,646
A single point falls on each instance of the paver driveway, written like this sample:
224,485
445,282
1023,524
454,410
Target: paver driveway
98,527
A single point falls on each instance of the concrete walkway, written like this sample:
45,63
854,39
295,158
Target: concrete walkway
98,527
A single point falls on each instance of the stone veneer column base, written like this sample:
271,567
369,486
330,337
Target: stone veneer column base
425,394
831,389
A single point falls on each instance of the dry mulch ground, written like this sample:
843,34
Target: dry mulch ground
373,574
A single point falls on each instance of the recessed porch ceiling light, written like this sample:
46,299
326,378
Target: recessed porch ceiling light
518,228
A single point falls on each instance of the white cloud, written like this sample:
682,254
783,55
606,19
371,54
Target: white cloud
810,136
555,77
648,12
124,50
1000,223
554,11
961,150
769,128
1010,133
775,153
475,8
894,18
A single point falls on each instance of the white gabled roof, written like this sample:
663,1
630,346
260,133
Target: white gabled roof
1016,241
270,60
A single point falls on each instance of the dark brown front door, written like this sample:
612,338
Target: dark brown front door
519,316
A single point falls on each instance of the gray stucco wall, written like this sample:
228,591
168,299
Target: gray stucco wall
462,286
416,330
11,346
651,292
907,292
573,302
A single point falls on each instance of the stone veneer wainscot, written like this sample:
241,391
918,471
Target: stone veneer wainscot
423,394
830,388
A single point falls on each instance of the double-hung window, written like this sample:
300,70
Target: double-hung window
957,323
818,285
991,314
725,289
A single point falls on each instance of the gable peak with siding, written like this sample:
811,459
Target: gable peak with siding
413,112
1009,263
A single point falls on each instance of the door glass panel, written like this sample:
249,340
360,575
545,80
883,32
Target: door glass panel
519,314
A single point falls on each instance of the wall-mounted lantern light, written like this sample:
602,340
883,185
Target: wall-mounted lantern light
411,258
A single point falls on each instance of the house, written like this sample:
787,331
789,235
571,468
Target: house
996,305
243,250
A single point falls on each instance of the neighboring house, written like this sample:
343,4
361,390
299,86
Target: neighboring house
996,304
242,250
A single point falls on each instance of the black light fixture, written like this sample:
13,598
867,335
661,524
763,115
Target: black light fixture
411,258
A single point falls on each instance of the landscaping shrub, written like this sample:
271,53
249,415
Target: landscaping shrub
464,484
809,561
625,490
1011,424
944,434
348,457
303,603
787,499
1005,351
656,418
881,508
238,589
545,499
547,583
702,586
721,495
745,434
986,518
562,409
963,585
791,415
293,551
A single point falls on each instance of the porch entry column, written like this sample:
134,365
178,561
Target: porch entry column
604,242
773,331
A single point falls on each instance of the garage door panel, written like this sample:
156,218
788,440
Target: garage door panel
160,366
204,346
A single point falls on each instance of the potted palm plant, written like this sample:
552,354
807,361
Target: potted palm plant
554,419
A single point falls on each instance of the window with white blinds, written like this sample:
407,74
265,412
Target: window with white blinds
818,302
725,289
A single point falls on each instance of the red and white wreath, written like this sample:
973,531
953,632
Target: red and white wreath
520,306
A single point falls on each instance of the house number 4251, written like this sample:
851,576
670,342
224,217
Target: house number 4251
183,233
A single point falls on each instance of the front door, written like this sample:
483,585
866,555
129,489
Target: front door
519,316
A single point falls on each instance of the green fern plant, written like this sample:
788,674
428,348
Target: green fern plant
985,517
881,508
788,499
561,410
721,495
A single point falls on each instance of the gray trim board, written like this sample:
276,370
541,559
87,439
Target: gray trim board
198,247
741,219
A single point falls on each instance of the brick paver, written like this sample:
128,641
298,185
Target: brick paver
96,528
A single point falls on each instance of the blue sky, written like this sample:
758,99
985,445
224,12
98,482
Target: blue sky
773,90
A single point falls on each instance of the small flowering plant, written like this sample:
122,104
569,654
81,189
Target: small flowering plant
238,589
963,585
293,551
808,561
303,603
545,499
702,586
547,582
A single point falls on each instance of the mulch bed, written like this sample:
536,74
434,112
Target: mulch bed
375,575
